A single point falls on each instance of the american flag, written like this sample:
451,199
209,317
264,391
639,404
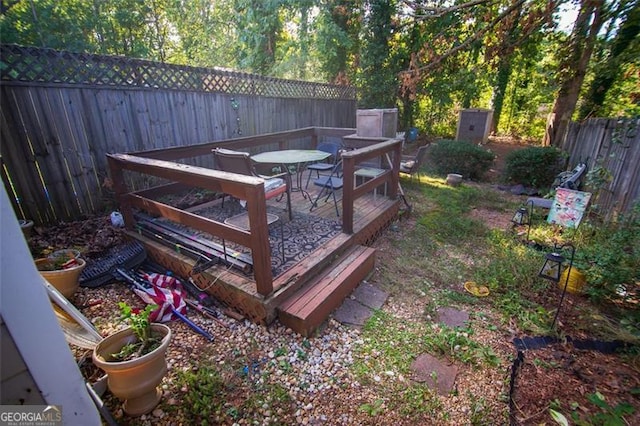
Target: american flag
164,291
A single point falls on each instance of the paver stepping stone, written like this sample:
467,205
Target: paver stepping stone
452,317
437,374
369,295
352,312
358,308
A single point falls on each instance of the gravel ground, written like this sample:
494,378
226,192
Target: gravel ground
316,374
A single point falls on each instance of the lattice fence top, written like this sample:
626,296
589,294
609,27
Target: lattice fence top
48,66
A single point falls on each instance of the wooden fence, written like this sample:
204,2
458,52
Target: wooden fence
62,112
612,148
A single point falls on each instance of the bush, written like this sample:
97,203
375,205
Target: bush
611,257
534,166
460,157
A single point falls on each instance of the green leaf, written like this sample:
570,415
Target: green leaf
558,417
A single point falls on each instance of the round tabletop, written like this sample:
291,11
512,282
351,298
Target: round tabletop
291,156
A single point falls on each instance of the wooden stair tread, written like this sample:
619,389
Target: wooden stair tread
305,310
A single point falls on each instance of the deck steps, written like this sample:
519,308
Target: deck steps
310,306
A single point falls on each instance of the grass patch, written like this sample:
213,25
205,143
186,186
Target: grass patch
457,343
205,393
447,221
389,344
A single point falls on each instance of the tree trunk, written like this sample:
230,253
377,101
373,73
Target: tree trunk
574,69
499,90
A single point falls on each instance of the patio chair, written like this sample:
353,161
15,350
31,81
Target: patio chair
411,166
568,180
329,184
240,162
331,148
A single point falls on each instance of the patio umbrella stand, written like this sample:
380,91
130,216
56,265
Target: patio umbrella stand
120,264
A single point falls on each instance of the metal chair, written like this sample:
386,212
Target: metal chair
330,184
331,148
240,162
412,166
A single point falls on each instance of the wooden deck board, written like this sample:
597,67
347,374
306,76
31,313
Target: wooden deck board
302,303
308,308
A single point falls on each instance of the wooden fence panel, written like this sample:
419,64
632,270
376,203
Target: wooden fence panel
63,112
613,144
21,179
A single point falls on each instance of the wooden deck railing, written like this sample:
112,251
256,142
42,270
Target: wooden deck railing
389,154
163,164
306,138
240,186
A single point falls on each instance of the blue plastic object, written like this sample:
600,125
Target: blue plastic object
412,134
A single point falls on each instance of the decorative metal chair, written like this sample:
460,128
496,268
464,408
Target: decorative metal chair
240,162
331,148
412,166
329,185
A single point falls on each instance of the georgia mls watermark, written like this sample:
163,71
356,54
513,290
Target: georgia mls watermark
30,415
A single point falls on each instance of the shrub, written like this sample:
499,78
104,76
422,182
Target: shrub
534,166
611,257
465,158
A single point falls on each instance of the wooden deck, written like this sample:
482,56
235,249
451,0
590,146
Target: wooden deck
306,288
237,290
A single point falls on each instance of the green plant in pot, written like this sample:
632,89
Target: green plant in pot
134,360
62,269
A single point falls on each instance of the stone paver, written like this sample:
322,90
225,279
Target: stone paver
352,312
358,307
452,317
369,295
437,374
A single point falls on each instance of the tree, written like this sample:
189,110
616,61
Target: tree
204,34
378,83
259,27
122,27
469,46
338,42
517,40
574,68
621,53
58,24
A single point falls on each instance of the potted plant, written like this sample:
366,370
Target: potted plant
134,360
62,269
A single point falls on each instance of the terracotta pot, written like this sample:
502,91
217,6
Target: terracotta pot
66,281
135,381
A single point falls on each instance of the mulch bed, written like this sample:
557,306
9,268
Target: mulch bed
567,379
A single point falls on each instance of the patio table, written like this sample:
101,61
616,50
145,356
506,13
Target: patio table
292,157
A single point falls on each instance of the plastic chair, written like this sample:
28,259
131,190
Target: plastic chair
331,148
240,162
412,166
330,184
567,180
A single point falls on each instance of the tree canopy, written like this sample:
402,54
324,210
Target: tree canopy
428,58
